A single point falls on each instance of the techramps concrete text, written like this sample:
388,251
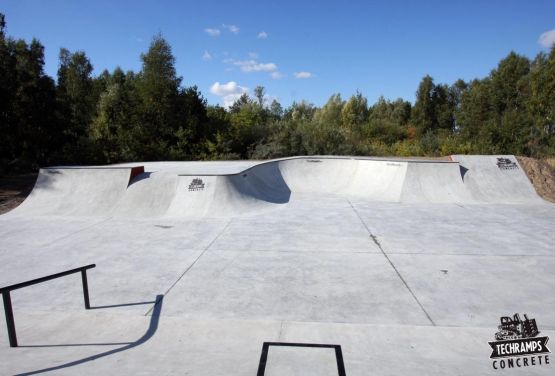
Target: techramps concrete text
405,265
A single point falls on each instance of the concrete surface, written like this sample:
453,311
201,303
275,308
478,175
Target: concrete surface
407,265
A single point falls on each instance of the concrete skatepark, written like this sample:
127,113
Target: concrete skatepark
406,264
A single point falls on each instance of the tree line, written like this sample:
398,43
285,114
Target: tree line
149,115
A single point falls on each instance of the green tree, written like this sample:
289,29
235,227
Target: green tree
259,93
423,112
158,89
114,126
246,125
27,105
77,105
8,86
330,113
193,125
355,112
443,108
493,111
276,110
541,105
75,86
387,121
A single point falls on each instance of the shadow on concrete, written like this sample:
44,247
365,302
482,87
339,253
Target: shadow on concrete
97,344
263,182
79,345
153,326
464,170
122,305
139,177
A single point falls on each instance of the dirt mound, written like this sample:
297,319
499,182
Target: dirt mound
542,176
14,189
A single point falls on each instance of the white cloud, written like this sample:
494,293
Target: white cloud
252,65
255,66
224,89
212,32
232,28
262,35
229,92
547,39
303,74
277,75
253,55
206,56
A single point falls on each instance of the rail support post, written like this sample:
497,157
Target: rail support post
9,318
85,289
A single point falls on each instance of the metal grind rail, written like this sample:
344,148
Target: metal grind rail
5,291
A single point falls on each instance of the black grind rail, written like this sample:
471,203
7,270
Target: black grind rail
5,291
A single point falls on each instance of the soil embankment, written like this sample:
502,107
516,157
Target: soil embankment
14,189
541,174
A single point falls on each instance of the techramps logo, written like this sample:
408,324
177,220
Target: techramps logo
196,185
517,344
506,164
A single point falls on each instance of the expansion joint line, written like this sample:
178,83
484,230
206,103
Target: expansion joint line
280,330
192,264
78,231
375,240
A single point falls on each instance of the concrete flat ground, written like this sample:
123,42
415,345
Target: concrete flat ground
403,288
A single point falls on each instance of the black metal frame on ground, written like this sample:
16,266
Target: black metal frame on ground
266,347
5,291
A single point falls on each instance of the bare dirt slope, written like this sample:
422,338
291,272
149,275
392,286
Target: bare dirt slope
542,175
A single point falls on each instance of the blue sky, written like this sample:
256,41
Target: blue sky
309,49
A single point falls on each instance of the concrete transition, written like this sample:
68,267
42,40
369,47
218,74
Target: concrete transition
407,265
158,191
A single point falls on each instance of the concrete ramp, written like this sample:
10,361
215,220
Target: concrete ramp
496,179
79,191
148,195
225,195
318,175
434,182
376,180
185,190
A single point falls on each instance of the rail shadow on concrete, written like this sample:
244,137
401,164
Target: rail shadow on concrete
122,305
152,328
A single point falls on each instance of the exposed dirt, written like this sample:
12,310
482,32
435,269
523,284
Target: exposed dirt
14,189
542,175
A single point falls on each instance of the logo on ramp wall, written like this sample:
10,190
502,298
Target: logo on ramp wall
196,185
506,164
517,344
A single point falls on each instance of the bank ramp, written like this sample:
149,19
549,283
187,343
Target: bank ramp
189,189
496,179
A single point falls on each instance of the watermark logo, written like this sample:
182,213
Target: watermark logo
518,345
196,185
506,164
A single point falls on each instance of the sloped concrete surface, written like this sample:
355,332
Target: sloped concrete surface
403,286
